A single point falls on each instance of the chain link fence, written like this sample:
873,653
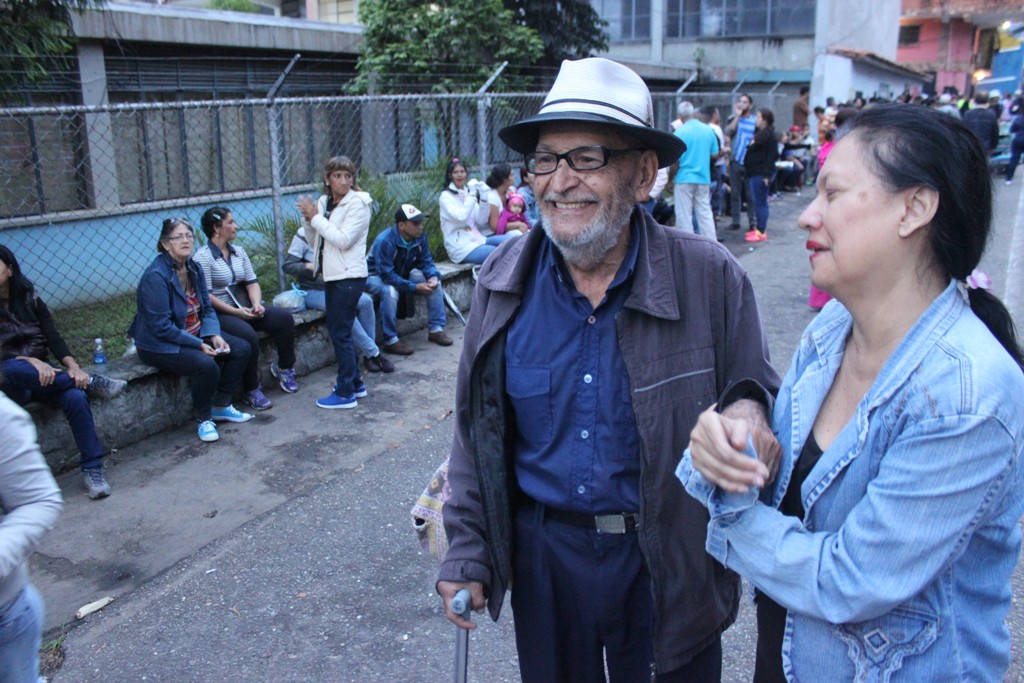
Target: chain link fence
83,190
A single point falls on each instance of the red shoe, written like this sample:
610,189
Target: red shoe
762,236
751,236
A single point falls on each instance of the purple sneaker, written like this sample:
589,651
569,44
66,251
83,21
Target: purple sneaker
286,378
256,399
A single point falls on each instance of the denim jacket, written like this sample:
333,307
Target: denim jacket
159,324
900,569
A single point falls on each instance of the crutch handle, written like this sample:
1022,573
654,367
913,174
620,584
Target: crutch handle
461,603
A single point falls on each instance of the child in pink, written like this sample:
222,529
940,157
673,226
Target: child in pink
513,216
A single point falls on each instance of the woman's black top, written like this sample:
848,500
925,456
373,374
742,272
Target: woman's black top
771,616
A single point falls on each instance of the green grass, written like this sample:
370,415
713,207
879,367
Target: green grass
108,320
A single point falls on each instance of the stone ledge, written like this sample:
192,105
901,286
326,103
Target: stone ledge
156,401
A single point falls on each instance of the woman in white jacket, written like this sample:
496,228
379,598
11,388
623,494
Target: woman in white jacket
339,222
461,212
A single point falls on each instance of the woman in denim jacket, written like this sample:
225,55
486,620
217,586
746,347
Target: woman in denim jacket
883,549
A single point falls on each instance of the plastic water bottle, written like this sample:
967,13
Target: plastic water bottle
99,356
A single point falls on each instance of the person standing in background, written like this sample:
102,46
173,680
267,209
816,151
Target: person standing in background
740,131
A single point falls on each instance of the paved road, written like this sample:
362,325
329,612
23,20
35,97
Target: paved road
285,552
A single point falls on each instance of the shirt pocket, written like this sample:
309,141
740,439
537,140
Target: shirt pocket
879,647
529,388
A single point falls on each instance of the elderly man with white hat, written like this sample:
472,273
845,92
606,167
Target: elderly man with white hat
593,345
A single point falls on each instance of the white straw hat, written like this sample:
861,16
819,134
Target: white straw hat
597,90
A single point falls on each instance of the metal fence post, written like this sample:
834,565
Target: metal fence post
483,103
275,171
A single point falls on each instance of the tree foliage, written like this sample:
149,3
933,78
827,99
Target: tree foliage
441,45
34,36
570,29
234,6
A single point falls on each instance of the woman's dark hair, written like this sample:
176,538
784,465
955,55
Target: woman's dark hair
767,134
21,289
167,227
767,115
340,163
212,218
912,146
452,165
499,174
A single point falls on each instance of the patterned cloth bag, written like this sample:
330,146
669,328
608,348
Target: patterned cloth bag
427,513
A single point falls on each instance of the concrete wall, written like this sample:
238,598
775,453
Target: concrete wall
870,25
727,59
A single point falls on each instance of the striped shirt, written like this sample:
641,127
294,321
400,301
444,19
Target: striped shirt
221,271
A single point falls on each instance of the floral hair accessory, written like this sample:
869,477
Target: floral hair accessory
455,160
979,280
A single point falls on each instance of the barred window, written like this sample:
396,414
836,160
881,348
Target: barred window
724,18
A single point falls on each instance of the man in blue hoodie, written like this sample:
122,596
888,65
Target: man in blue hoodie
401,266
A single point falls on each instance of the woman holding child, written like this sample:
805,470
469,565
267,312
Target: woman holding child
463,217
176,329
237,298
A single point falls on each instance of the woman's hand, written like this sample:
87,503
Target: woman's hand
717,443
208,350
47,372
306,206
244,313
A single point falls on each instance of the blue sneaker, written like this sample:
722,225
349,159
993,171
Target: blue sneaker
208,431
229,414
334,402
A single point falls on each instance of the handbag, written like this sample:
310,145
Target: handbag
427,513
293,299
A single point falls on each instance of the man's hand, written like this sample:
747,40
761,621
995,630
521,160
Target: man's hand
47,373
78,376
447,591
424,288
718,440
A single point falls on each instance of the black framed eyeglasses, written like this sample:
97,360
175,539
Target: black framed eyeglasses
580,159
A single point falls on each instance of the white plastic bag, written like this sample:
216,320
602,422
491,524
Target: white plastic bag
293,299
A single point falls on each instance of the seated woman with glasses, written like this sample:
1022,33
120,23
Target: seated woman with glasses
461,214
236,297
176,329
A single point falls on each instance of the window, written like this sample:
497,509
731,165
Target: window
724,18
910,34
627,19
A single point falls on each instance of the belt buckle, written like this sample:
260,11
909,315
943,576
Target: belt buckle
610,524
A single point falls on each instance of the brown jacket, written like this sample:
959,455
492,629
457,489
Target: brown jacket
689,329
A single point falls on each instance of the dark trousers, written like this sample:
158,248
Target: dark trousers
342,304
21,384
759,200
214,381
582,600
279,324
1016,150
771,629
738,183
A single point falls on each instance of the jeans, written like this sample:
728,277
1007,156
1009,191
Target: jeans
214,381
480,254
717,190
1016,150
21,634
737,181
364,329
759,198
21,383
279,324
389,305
342,305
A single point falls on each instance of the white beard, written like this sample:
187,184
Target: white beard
587,249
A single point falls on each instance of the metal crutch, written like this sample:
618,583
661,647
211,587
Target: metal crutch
460,606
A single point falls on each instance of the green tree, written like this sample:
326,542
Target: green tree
570,29
35,36
234,6
441,46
